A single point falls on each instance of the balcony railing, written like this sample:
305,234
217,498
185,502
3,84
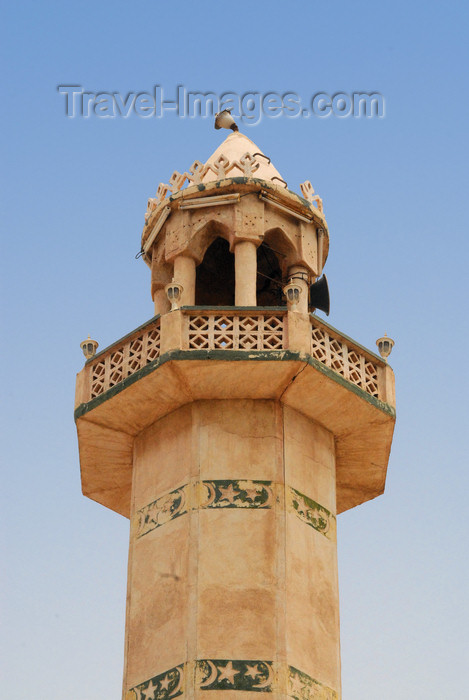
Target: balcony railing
235,330
127,356
346,359
253,329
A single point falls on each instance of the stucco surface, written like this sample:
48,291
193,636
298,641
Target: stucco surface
228,562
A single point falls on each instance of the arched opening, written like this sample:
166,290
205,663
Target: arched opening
269,277
215,276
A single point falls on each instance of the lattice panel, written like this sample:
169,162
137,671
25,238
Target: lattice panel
120,362
320,345
344,360
371,379
273,332
153,345
236,332
98,378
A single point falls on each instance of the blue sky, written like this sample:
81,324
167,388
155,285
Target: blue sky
74,194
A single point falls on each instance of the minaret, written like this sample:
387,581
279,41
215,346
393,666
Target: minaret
231,429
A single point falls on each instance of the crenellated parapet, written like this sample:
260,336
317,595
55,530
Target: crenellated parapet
222,168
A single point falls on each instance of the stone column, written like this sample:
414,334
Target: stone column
184,273
233,559
301,275
245,273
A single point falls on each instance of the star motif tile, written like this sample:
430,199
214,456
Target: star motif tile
227,673
228,493
251,494
149,692
252,671
165,683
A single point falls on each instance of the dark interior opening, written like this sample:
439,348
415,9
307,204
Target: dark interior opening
215,277
269,278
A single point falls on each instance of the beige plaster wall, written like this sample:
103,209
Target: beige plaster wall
227,563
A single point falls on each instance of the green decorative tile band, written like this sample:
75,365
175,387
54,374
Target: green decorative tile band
162,687
161,511
236,494
223,493
218,674
311,513
232,493
228,674
303,687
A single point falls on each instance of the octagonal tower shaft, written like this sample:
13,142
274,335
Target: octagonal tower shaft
233,557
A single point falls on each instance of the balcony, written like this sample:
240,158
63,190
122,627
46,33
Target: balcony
200,353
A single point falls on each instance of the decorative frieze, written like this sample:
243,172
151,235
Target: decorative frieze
303,687
169,684
235,675
311,513
232,493
236,494
217,674
161,511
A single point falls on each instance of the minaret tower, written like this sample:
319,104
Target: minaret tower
231,429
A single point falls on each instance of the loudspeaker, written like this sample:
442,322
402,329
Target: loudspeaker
319,295
224,120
